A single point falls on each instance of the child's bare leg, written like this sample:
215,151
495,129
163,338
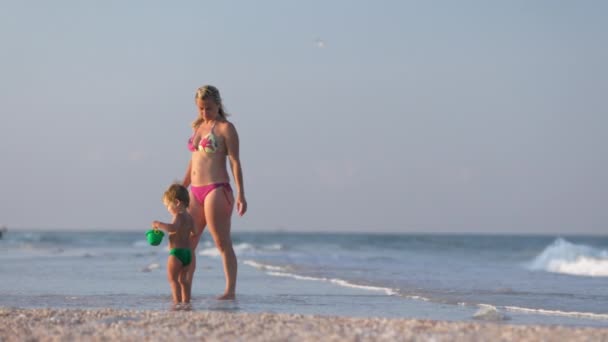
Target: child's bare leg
185,283
190,269
174,268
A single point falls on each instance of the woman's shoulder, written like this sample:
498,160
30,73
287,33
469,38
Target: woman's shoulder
226,126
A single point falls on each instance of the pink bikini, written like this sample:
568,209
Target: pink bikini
200,192
207,144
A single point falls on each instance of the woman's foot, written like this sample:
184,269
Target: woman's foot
226,296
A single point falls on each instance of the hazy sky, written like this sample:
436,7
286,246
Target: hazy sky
427,116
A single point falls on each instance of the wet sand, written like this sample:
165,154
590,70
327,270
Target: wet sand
132,325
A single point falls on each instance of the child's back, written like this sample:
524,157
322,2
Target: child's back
179,237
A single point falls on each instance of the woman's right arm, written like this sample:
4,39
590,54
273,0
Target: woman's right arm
186,182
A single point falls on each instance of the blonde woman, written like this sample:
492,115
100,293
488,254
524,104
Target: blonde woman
213,143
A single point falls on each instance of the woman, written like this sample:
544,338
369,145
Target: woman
211,197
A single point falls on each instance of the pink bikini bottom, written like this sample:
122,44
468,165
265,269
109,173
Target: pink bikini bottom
200,192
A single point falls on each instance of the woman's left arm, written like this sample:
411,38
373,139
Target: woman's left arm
232,146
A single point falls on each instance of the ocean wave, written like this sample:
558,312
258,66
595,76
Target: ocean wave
140,244
416,297
573,259
488,312
261,266
210,252
294,276
386,290
273,247
150,267
587,315
35,240
339,282
243,247
240,249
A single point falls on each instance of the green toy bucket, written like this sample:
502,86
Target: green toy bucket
154,236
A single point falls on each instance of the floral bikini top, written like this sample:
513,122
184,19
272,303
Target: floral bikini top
208,143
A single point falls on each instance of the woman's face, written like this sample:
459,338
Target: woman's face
207,108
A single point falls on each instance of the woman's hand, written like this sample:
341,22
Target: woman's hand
241,205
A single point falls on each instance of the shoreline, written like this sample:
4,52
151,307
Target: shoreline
328,231
154,325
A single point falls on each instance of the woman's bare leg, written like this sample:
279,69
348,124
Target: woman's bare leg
196,211
218,211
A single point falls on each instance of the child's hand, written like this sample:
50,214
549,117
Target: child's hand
155,224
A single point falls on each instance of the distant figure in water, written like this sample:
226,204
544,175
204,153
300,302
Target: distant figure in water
180,231
3,230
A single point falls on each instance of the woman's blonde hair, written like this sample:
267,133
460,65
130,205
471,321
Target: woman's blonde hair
207,92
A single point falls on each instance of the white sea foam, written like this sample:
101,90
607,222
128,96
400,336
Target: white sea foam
274,247
294,276
488,312
417,298
243,247
140,243
239,249
588,315
340,282
582,266
261,266
573,259
150,267
212,252
386,290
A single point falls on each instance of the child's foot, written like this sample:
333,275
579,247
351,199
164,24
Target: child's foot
226,296
186,306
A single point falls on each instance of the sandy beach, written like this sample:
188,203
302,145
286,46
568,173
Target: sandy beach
128,325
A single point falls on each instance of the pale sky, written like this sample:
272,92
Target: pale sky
371,116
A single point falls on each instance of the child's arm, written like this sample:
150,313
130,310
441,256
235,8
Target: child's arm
162,226
168,227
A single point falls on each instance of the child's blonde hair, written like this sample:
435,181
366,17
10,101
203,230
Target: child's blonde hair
207,92
177,192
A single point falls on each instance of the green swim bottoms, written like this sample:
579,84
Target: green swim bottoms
183,254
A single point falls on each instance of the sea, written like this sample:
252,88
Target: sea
515,279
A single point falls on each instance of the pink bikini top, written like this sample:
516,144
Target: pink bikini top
208,143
